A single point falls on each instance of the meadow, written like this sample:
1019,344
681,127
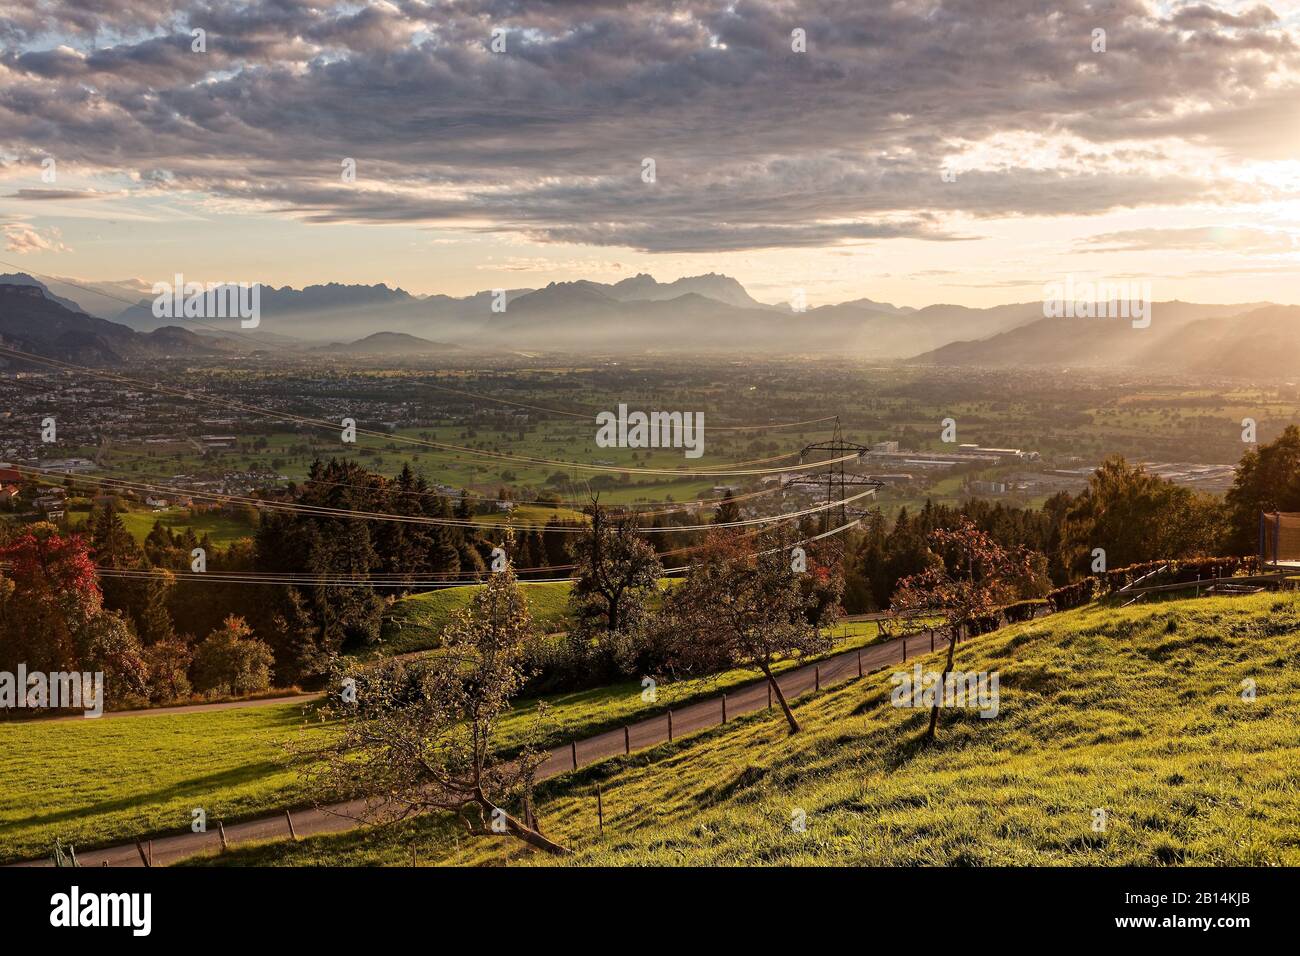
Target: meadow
1124,737
99,782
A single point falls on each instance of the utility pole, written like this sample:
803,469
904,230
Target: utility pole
838,478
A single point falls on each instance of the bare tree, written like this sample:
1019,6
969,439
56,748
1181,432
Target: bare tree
421,735
738,607
970,576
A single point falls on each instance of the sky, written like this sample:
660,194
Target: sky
965,151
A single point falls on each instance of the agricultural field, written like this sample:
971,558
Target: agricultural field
1137,713
223,529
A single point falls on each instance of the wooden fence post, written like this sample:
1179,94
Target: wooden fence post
724,708
859,663
769,695
292,833
139,847
221,828
817,678
600,810
670,726
573,749
627,740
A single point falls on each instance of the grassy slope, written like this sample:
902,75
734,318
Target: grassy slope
96,782
1136,711
103,781
414,623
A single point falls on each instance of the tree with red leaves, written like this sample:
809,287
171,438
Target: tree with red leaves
970,575
52,616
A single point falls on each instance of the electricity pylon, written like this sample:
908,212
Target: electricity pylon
836,475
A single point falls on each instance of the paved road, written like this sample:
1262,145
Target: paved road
190,708
642,734
307,697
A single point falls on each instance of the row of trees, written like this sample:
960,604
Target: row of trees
424,735
54,617
151,630
1125,511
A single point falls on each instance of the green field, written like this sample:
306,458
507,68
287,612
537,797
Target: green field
415,623
221,528
102,781
98,782
1138,713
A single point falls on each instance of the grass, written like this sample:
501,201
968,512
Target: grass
1136,712
99,782
222,529
93,782
415,623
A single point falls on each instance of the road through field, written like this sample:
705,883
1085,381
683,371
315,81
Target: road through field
688,719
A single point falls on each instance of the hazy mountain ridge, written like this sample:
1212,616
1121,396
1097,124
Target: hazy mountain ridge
642,314
1079,341
388,343
31,320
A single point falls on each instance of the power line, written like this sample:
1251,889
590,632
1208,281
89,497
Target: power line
327,511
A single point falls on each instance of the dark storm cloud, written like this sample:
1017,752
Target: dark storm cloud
755,146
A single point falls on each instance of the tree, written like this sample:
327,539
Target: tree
154,622
112,546
1136,516
1267,479
52,616
168,662
233,660
421,735
728,512
615,570
970,575
743,608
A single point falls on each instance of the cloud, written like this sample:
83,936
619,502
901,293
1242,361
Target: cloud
755,146
1211,238
22,239
51,194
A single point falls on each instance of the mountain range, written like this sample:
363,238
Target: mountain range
65,319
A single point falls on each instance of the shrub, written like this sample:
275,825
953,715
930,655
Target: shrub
1073,595
232,660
